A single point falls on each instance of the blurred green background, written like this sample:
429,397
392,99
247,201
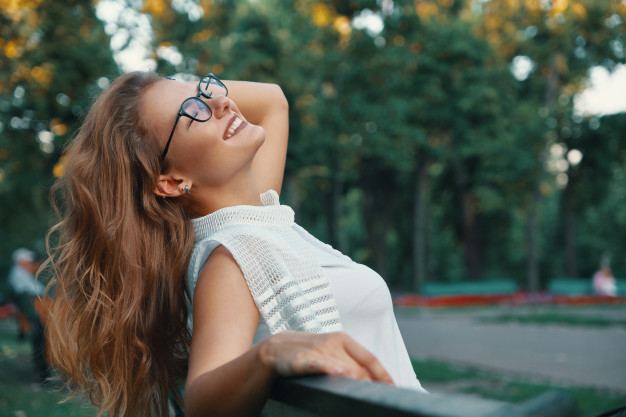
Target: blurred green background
432,140
438,141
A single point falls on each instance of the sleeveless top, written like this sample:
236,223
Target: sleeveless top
284,277
300,283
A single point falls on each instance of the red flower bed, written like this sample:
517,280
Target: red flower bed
469,300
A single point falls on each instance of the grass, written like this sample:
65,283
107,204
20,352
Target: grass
447,377
21,394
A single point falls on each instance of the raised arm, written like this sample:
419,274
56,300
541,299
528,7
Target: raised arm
227,375
265,105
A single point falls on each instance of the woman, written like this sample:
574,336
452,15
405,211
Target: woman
142,183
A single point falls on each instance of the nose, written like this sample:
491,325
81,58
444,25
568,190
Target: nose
220,106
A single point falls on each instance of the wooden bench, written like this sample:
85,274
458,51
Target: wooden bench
325,396
570,286
580,286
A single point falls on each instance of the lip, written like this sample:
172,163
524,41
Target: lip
230,122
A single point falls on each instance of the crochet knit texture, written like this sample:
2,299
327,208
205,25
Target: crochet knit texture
284,276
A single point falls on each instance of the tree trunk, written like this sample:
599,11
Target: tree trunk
474,250
532,233
333,204
378,198
469,231
571,267
419,228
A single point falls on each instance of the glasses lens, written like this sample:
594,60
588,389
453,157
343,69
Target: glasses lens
197,109
212,85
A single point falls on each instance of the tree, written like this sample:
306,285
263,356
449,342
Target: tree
54,55
561,41
412,141
598,200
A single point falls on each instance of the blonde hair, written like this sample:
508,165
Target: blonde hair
118,325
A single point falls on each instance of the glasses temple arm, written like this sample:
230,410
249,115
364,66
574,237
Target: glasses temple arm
169,140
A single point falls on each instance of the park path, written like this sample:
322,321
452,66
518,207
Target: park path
572,355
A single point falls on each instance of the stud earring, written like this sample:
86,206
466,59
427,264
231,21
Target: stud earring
186,189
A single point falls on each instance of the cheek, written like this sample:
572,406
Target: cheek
208,159
200,148
202,155
235,108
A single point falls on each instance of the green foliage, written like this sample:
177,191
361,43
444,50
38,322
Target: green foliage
599,181
413,148
442,376
60,51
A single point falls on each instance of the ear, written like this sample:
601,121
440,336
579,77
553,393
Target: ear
169,186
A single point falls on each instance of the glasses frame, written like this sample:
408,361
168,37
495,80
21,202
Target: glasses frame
208,80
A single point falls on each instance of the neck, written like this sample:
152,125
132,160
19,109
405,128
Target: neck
241,190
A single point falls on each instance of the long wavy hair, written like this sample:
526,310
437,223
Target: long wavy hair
118,256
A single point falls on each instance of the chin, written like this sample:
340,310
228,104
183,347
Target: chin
260,135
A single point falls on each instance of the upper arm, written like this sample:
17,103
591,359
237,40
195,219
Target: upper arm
265,105
225,317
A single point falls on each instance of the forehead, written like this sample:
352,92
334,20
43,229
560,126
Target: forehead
160,104
163,99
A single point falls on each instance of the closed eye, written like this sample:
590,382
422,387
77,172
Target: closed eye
191,120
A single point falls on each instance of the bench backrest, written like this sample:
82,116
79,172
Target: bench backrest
327,396
489,287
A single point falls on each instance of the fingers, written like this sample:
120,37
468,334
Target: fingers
317,366
297,353
368,361
330,366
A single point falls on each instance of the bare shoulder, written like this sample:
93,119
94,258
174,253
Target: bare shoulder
221,273
221,266
225,316
222,258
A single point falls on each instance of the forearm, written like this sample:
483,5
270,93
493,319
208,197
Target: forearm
265,105
237,388
258,101
240,386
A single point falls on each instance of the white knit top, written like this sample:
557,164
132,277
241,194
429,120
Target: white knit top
300,283
284,277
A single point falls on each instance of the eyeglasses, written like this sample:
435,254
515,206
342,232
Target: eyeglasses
195,108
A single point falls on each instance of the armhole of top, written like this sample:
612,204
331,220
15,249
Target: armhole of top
201,257
206,255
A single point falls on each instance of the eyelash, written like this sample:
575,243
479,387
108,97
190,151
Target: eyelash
191,121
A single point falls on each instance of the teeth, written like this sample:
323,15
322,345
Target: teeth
233,127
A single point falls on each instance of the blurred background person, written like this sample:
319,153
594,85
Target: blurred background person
24,291
603,280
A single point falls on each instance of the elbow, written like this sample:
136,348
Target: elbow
197,400
189,400
278,97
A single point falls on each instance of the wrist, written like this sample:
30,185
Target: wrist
265,355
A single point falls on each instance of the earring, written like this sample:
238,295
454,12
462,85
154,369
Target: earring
186,189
